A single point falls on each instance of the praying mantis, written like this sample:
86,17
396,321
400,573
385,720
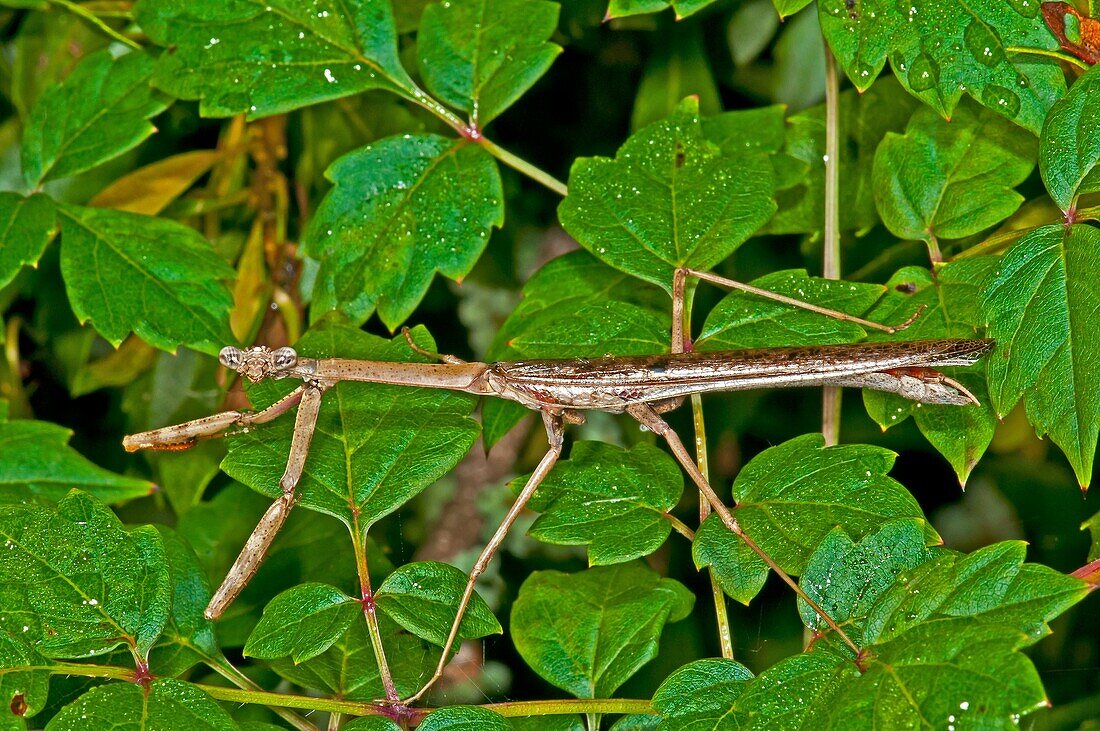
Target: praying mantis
644,387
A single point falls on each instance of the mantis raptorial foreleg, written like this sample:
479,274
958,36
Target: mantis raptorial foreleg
555,435
256,547
185,435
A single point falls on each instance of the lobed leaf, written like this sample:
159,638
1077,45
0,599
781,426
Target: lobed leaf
862,122
99,112
167,705
743,320
575,306
77,582
374,447
992,584
188,637
348,669
464,718
952,299
949,180
939,48
482,55
1044,313
614,501
264,58
150,276
37,459
423,598
24,679
790,496
942,673
1069,146
302,622
669,199
587,633
845,578
402,209
27,224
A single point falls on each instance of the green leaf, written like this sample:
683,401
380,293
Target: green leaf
626,8
677,67
800,170
371,723
349,670
739,570
188,637
787,8
464,718
748,321
949,180
480,56
845,578
402,209
782,697
150,276
267,58
99,112
1069,146
1044,313
1093,527
612,500
375,446
37,459
26,226
78,582
992,584
953,302
791,495
167,705
423,598
668,199
763,129
575,306
587,633
938,48
24,678
949,672
700,692
302,622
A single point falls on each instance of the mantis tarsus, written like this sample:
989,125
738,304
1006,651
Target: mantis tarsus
561,390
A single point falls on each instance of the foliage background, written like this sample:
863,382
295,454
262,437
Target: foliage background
251,187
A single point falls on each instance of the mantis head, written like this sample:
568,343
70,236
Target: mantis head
259,362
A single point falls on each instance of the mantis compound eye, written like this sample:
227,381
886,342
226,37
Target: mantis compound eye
284,358
230,357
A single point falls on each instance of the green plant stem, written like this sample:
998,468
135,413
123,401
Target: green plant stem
680,527
420,98
831,396
370,614
365,708
721,612
519,164
228,671
96,21
1049,54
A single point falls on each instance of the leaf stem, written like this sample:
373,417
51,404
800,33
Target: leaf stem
96,21
471,132
831,396
227,670
1050,54
680,527
370,614
519,164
